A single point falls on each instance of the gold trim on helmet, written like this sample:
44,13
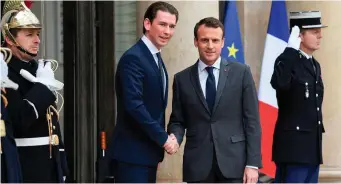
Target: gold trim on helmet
17,15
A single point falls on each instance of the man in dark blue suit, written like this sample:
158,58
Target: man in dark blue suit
139,138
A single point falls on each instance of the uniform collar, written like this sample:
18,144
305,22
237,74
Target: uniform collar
16,64
306,55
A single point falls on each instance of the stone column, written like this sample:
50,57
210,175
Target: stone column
254,18
328,56
177,55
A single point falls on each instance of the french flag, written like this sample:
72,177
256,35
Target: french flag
275,43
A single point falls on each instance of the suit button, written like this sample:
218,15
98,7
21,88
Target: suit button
316,82
297,128
317,95
318,109
319,122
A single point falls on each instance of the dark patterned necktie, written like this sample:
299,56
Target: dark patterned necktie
210,88
162,73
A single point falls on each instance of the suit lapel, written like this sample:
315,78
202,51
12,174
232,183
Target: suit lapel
151,60
149,56
196,84
223,74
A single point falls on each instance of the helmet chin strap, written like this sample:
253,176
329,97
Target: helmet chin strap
20,47
25,51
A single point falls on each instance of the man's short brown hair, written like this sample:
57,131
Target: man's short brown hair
162,6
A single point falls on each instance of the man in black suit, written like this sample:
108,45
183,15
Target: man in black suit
215,101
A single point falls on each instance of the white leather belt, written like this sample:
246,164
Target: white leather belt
36,141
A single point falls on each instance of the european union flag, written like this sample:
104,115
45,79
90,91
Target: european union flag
233,47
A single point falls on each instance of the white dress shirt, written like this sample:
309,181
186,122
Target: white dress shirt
154,51
203,74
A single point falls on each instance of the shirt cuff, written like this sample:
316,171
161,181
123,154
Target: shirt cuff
253,167
34,107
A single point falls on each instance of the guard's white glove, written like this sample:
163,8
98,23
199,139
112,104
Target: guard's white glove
45,75
294,39
5,81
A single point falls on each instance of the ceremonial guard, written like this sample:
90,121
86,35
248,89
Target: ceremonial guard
297,79
10,166
36,128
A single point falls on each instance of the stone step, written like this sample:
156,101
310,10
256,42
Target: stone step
330,174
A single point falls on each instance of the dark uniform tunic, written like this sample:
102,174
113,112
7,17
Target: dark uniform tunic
39,141
299,89
10,166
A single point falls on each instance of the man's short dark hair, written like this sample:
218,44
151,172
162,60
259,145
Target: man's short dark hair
155,7
208,22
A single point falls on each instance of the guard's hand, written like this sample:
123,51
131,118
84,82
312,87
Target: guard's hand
4,68
294,38
45,75
5,81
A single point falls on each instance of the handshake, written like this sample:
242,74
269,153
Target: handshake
171,146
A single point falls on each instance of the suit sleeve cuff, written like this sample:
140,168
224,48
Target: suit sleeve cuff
164,139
